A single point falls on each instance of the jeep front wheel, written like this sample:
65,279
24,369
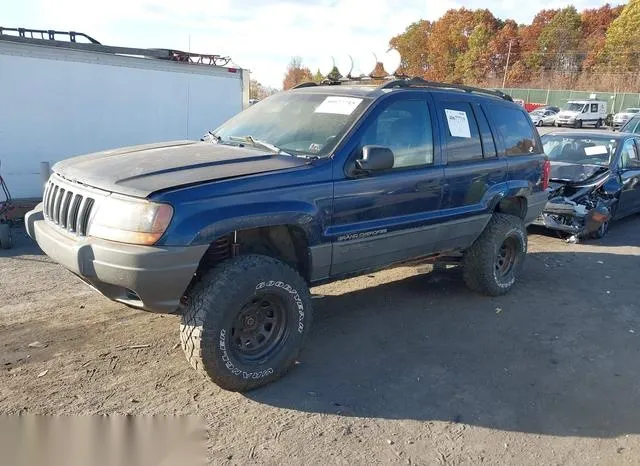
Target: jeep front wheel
245,322
493,262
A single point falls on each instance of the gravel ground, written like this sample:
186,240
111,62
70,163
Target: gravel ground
403,366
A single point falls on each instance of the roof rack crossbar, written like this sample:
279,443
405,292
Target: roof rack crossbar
420,82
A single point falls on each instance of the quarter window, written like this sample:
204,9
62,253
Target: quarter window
515,129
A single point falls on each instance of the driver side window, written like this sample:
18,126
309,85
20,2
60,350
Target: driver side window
629,156
405,128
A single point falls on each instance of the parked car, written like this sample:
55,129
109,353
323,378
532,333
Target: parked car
541,117
549,107
583,112
595,179
309,186
620,118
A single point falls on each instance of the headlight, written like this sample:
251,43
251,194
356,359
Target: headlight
128,220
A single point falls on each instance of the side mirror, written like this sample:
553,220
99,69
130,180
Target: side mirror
375,158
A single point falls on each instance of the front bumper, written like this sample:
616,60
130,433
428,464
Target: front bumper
571,217
565,121
145,277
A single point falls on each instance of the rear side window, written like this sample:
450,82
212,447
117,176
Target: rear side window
515,129
461,132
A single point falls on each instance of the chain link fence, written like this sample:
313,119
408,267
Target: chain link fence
615,101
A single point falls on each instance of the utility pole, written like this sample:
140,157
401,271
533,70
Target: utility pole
506,68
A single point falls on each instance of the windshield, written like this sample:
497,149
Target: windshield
575,107
579,150
631,125
296,123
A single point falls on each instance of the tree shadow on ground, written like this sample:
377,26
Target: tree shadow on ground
559,355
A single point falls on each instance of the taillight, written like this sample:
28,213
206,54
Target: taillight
546,173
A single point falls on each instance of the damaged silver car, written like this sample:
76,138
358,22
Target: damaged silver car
595,178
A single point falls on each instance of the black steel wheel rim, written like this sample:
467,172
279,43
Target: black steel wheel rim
259,328
506,257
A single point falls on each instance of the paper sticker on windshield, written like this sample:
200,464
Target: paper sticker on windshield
338,105
458,123
596,150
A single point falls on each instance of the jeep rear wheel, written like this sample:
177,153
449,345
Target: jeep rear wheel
245,322
493,262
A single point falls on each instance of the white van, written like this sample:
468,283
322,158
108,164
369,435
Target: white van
583,112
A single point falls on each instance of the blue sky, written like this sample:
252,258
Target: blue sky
261,35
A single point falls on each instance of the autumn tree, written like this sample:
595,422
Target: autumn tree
560,39
258,91
379,71
412,45
472,65
560,47
296,74
505,44
530,35
595,23
623,37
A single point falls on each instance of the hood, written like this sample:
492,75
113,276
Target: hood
141,170
568,113
573,173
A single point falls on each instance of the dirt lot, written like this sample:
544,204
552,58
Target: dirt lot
401,367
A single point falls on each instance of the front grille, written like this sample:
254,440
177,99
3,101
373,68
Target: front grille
68,208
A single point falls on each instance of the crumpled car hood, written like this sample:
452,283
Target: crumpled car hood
142,170
574,173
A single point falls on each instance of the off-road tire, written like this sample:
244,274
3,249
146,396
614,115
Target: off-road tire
480,259
5,236
216,301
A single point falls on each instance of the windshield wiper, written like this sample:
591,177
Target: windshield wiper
211,136
258,143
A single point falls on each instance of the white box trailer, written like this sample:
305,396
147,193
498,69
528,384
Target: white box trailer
61,99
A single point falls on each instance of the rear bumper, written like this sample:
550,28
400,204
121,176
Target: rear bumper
145,277
535,206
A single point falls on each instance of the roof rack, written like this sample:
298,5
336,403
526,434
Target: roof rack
419,82
305,84
51,34
48,37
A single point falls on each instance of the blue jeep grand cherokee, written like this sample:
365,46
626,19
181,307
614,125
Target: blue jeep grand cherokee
308,186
